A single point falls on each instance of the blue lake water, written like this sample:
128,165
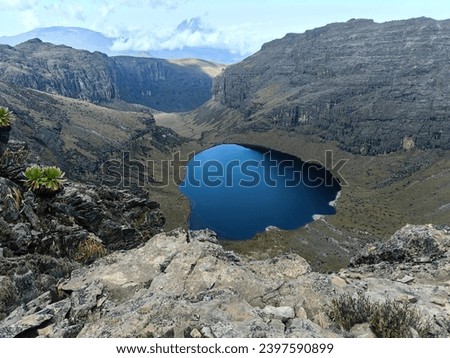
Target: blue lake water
239,191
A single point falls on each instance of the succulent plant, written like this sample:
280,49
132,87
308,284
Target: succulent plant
6,117
44,180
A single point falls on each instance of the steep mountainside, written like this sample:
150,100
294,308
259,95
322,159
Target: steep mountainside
79,136
169,86
160,84
372,87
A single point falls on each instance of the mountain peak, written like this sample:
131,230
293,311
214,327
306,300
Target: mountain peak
33,41
192,25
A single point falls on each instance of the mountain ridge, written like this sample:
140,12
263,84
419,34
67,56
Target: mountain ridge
164,85
373,87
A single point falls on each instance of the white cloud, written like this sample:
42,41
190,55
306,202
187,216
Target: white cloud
17,4
240,39
29,19
76,12
167,4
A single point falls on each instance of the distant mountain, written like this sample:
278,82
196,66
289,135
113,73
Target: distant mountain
206,53
76,37
84,39
165,85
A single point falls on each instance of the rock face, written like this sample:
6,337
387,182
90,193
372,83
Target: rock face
59,226
410,244
95,77
373,88
186,285
4,138
59,70
162,84
42,239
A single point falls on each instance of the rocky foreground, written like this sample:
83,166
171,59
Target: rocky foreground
93,262
183,284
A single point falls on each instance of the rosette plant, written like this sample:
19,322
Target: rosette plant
6,117
44,180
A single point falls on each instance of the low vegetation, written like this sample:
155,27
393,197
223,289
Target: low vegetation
387,319
8,295
348,310
392,319
89,250
44,180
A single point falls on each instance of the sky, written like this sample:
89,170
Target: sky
240,26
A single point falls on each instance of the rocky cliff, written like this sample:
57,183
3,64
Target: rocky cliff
161,84
42,239
186,285
374,88
168,86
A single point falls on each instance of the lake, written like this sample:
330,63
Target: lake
239,191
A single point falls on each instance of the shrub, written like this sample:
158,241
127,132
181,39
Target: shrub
8,296
44,180
392,319
388,319
90,249
348,311
6,117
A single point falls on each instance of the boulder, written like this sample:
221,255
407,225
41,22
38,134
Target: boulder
412,243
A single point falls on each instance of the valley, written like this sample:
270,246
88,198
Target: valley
368,101
380,196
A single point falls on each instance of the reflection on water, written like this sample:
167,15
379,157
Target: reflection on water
238,191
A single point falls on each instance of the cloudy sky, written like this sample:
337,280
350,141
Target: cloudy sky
241,26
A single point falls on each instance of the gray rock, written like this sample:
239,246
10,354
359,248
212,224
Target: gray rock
207,333
82,222
412,243
4,138
24,324
202,291
362,330
301,313
30,277
8,295
84,300
282,313
195,333
439,301
33,320
39,302
300,328
406,279
203,235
